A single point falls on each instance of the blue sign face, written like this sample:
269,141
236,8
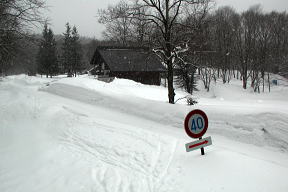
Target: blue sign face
196,124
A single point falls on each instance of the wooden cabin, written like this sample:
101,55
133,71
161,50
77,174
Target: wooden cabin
138,64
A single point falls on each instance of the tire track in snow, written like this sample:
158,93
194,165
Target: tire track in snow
148,164
151,165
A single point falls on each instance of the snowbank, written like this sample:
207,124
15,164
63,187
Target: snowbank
80,134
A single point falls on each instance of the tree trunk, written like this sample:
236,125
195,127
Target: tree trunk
188,83
269,82
171,93
192,82
263,77
244,77
244,83
224,72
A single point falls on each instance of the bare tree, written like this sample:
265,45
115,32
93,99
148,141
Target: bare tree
118,22
245,41
194,30
224,40
264,49
165,15
16,18
142,30
279,52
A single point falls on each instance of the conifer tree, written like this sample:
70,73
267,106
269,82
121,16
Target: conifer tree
76,51
53,67
72,51
67,51
47,58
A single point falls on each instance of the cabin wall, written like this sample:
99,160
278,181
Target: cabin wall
103,70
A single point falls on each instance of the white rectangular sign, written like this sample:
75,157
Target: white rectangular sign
198,144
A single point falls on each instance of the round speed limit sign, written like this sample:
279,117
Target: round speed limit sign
196,123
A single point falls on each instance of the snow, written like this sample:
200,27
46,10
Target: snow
122,88
81,134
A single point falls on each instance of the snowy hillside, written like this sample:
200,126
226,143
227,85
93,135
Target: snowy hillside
83,135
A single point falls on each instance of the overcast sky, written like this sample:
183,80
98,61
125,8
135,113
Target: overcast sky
82,13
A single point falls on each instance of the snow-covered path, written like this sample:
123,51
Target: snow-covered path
67,145
55,136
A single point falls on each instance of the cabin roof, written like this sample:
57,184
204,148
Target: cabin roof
127,59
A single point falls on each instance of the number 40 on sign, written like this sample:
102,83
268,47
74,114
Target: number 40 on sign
199,122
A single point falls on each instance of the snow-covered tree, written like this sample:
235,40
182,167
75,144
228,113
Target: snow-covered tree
165,15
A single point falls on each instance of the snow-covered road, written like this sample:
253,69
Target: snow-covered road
266,126
57,136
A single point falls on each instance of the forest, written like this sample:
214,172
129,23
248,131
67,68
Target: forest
193,39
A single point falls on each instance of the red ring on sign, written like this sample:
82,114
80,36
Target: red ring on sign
189,115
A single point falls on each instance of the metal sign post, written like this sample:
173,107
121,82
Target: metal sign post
196,125
202,148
